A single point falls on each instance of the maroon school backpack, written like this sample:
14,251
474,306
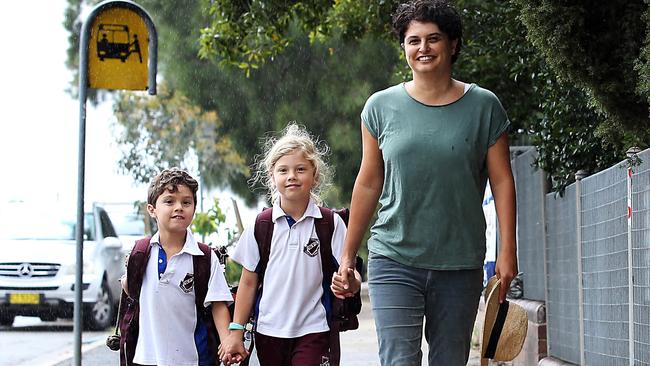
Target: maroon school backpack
128,315
342,314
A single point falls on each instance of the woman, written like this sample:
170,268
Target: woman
429,146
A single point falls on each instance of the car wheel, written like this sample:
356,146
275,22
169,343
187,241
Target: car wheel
6,319
99,315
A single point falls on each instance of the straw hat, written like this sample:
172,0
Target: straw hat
505,327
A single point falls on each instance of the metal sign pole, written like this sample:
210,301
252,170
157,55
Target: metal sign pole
78,287
126,19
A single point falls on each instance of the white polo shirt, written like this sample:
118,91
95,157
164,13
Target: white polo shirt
293,282
167,309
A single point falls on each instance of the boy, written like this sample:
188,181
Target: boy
170,330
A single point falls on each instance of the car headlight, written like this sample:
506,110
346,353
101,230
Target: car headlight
89,269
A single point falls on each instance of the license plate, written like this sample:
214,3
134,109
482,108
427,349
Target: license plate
31,299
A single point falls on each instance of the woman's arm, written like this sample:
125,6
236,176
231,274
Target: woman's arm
503,189
365,195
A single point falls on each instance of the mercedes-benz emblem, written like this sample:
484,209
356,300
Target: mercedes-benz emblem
25,270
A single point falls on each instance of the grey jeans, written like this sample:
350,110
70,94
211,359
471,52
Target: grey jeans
403,297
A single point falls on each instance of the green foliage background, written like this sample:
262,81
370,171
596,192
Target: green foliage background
574,78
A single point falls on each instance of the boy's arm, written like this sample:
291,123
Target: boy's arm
221,317
228,353
124,284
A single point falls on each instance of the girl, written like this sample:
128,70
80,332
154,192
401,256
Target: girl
291,327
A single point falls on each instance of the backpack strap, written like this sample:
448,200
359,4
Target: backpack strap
136,267
129,314
325,231
263,236
202,265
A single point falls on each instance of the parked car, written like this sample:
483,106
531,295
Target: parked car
131,222
38,264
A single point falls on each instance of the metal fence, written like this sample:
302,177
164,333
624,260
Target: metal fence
575,253
530,183
604,267
562,307
641,259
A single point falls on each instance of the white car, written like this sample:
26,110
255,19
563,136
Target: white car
38,263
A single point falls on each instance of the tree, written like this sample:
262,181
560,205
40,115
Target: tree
162,131
264,63
512,47
308,83
596,45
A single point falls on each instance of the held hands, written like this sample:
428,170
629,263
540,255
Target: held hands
347,281
232,350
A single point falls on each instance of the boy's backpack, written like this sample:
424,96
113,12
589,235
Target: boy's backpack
129,313
341,314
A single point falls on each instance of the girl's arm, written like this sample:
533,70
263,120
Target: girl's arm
365,195
245,296
503,189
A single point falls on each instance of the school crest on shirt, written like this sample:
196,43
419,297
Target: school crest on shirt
187,284
312,246
324,361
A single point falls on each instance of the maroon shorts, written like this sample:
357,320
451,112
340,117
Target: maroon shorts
308,350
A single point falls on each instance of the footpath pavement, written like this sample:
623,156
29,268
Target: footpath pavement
358,348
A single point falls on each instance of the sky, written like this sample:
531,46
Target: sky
40,121
39,150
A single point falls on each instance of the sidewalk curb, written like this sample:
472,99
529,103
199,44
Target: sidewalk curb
68,355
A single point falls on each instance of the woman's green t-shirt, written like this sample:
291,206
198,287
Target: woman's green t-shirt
430,213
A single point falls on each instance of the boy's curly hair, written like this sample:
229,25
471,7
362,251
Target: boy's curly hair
169,180
440,12
294,138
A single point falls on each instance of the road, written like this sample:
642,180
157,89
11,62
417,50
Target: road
35,343
52,344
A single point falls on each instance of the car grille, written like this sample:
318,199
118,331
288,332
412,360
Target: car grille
27,270
40,288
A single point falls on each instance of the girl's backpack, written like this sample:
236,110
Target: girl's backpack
341,314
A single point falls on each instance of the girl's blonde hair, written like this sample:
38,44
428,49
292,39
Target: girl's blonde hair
294,138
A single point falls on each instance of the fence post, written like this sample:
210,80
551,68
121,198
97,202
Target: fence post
543,193
580,174
631,157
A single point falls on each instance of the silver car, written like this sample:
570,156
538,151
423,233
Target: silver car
38,263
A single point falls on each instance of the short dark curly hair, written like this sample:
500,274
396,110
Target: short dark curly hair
169,180
440,12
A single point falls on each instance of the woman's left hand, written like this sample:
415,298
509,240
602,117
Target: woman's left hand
506,270
342,288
